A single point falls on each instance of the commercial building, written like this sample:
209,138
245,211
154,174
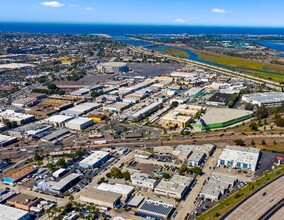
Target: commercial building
58,187
112,67
182,152
124,190
11,213
101,197
176,187
239,157
95,160
81,109
180,116
6,140
79,123
15,175
56,135
58,120
143,180
196,158
13,116
219,99
216,186
265,99
24,202
155,209
216,118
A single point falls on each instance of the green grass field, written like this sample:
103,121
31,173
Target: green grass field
262,70
177,52
228,203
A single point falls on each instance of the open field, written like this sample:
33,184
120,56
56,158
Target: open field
177,52
263,70
228,203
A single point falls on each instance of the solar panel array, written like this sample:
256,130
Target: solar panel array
155,207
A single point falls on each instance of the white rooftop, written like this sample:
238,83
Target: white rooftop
10,213
247,155
58,118
117,188
79,121
95,157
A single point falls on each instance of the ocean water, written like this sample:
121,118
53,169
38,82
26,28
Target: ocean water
118,30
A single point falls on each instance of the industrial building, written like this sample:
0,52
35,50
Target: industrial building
182,152
219,99
79,123
14,116
15,175
24,202
176,187
58,187
124,190
6,140
143,180
95,160
216,186
180,116
112,67
144,112
155,209
239,157
101,197
216,118
196,158
11,213
265,99
81,109
54,136
58,120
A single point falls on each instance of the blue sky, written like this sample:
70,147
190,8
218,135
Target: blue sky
175,12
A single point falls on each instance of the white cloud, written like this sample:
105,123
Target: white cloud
89,8
179,20
219,11
53,4
73,6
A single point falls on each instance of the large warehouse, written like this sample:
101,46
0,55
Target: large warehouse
81,109
239,157
60,186
124,190
11,213
101,197
216,118
58,120
79,123
112,67
18,117
95,160
265,98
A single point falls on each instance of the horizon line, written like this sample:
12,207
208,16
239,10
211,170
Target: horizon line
140,24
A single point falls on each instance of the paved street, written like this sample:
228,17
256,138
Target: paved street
188,205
